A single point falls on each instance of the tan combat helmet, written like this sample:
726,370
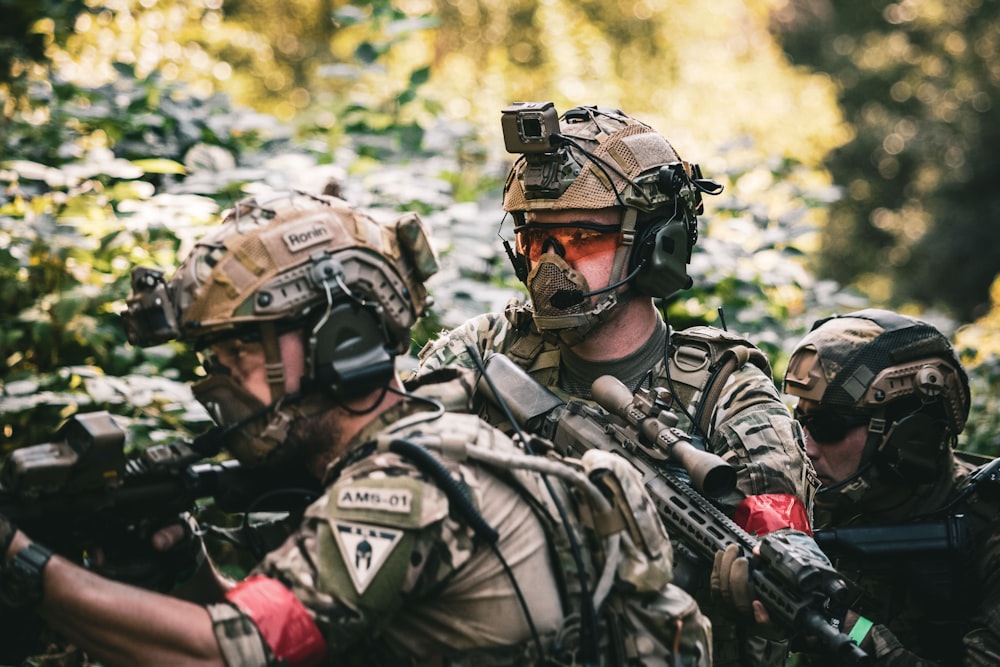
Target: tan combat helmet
901,371
593,158
287,261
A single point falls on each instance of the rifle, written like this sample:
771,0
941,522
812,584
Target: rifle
83,497
81,491
794,586
928,555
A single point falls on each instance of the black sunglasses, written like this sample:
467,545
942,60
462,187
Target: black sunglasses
827,427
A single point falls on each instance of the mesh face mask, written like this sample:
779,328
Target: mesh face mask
603,159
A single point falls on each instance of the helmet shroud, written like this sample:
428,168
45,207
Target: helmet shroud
901,371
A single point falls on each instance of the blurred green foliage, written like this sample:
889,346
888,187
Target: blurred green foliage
917,81
128,126
140,122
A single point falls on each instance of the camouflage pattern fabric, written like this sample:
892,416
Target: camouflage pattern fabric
391,572
751,428
912,627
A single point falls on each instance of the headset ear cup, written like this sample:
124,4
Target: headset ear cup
351,355
666,252
914,449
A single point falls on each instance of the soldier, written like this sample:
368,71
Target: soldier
436,541
605,219
914,524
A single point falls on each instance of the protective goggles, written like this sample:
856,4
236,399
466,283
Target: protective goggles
571,242
826,427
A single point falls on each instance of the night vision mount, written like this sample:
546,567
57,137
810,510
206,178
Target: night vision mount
529,128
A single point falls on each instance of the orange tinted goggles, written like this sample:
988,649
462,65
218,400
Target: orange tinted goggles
570,242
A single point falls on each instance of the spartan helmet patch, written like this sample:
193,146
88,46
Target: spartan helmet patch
364,550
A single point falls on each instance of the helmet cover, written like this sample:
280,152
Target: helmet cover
602,158
869,359
287,261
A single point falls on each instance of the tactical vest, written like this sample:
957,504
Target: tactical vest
618,645
701,359
928,596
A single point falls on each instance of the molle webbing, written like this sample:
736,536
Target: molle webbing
702,359
560,553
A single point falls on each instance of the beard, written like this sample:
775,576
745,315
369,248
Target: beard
319,440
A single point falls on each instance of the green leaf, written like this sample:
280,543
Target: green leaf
420,76
159,166
366,53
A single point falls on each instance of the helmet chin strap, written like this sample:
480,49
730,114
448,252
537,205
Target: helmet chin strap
856,485
848,481
273,366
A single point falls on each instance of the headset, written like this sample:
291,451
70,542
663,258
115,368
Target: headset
352,352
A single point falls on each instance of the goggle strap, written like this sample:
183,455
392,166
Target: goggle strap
624,250
591,226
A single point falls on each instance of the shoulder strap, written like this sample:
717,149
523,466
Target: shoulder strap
702,358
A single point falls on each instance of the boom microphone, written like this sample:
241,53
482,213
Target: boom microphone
567,298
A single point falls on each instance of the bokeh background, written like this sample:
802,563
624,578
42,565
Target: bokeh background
857,141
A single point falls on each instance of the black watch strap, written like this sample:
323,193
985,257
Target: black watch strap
21,577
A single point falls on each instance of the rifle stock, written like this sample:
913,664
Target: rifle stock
794,586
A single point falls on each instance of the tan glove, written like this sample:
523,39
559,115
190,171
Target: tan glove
730,581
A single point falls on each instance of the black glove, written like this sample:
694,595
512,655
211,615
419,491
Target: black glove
7,531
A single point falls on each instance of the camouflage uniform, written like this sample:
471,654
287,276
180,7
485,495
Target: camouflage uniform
947,613
920,621
749,427
389,571
434,535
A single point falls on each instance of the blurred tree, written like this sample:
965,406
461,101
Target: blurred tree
27,30
917,81
705,74
132,147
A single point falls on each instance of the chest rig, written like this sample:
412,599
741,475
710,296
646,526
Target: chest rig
923,576
435,447
701,359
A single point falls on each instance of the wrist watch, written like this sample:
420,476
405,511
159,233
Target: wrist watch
21,577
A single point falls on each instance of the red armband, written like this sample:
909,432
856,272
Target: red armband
283,621
760,515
